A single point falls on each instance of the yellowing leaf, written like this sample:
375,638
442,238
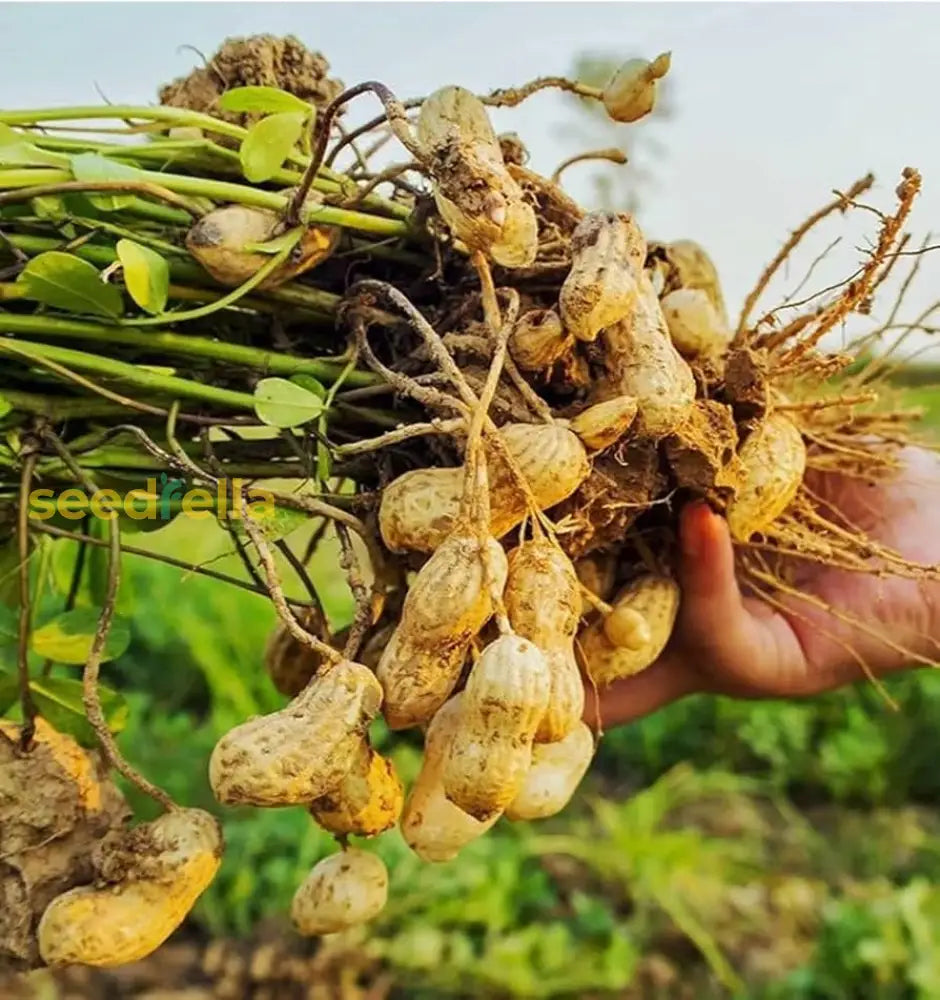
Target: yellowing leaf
69,636
267,100
58,279
146,275
268,144
280,403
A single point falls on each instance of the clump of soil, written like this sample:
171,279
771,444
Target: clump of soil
56,804
259,61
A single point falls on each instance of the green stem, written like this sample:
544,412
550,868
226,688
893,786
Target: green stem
133,459
142,378
32,182
61,408
292,294
52,182
189,345
11,292
178,116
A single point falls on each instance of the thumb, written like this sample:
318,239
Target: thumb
714,617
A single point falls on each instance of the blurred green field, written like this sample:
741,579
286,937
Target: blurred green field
719,848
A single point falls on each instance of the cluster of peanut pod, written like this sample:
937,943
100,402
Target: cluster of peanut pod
500,631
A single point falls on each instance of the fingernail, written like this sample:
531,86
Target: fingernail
695,527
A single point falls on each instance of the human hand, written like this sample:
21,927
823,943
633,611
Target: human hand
726,643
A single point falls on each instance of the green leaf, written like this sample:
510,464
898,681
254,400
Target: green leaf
146,275
5,406
9,690
268,144
69,636
59,701
280,403
93,169
70,283
9,626
16,151
309,383
267,100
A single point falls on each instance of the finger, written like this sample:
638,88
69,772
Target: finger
632,698
742,645
712,608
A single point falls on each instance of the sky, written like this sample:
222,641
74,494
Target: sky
776,104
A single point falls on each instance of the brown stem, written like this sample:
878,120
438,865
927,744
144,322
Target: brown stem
274,588
397,119
22,651
90,696
612,154
364,615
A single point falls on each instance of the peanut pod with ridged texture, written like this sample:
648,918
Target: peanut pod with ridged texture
503,704
432,826
420,508
149,879
694,324
643,363
303,751
772,462
554,776
475,194
451,598
607,256
543,604
635,632
341,891
366,802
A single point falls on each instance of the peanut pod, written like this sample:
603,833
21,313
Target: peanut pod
607,255
773,461
554,776
635,633
432,826
538,340
543,603
694,325
341,891
162,868
475,194
643,363
604,424
503,704
420,508
630,94
303,751
449,601
366,802
221,239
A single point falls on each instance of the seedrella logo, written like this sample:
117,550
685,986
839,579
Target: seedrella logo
161,500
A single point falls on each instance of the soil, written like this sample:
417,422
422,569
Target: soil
259,61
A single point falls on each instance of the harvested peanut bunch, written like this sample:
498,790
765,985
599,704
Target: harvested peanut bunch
490,404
